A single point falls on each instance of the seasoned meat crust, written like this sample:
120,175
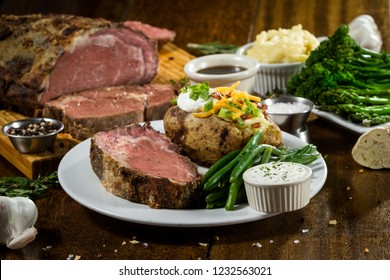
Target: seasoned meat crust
141,165
45,56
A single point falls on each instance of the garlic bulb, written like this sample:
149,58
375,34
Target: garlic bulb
372,149
365,32
17,219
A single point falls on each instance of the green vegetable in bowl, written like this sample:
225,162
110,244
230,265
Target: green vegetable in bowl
342,77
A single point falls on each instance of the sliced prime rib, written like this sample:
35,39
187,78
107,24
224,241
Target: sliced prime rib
139,164
88,112
161,35
43,57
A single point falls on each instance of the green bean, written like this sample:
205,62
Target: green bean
219,164
309,148
303,159
241,195
245,161
216,204
252,142
219,193
266,155
224,172
233,191
250,157
221,202
212,182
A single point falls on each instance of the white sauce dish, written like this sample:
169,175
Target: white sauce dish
278,186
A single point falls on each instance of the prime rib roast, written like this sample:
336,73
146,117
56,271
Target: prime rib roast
43,57
97,77
139,164
88,112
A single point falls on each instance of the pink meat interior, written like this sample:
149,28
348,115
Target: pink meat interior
104,103
107,58
148,152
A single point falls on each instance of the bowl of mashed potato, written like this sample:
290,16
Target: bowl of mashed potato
281,53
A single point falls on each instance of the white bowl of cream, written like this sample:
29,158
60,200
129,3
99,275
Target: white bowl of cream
278,186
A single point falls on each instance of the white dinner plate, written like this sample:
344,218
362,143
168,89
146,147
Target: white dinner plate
80,182
341,122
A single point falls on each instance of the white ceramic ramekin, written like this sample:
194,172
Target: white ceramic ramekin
278,187
246,77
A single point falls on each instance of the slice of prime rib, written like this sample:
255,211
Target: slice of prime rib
88,112
161,35
43,57
139,164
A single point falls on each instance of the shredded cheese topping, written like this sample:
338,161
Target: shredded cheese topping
233,105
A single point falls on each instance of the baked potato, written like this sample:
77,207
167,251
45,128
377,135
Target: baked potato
206,140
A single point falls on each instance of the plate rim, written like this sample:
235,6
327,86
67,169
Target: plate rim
343,123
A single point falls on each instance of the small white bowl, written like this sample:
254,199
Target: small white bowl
272,75
278,186
245,77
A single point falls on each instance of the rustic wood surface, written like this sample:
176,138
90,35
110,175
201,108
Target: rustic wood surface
357,198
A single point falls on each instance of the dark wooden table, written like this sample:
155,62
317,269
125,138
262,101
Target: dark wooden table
357,198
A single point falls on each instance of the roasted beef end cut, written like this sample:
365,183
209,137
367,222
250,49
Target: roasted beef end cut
139,164
88,112
43,57
161,35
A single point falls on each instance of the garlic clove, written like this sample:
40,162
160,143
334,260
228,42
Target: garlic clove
23,239
17,219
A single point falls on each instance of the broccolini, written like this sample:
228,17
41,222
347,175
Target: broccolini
342,77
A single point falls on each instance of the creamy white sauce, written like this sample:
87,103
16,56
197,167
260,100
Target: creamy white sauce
189,105
277,173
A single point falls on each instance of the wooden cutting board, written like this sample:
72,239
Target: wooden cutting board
33,165
171,63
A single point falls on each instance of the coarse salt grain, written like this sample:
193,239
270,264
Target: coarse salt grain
257,244
287,108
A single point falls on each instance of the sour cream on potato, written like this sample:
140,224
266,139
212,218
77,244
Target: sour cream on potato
189,105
